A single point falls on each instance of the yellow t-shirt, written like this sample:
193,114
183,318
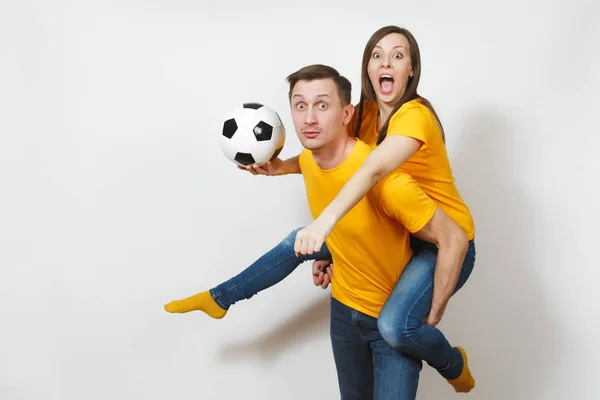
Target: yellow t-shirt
370,248
429,166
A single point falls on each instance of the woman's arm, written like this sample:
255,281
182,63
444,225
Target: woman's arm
388,156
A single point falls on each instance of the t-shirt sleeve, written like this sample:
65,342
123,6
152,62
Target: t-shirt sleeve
413,123
402,199
302,160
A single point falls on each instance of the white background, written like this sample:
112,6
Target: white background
115,197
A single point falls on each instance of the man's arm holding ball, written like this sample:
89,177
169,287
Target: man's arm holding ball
277,167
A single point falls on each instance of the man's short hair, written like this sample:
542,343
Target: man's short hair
320,71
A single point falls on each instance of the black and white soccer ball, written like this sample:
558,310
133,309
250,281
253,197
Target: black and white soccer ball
252,134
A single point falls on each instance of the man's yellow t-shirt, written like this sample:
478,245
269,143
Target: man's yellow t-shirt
370,244
429,166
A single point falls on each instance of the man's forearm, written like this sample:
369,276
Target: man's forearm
447,270
292,166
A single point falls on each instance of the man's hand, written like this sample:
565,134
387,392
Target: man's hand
272,168
322,273
310,239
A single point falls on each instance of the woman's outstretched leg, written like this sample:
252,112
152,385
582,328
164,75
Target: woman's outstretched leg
265,272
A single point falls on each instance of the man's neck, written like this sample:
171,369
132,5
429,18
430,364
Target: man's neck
335,153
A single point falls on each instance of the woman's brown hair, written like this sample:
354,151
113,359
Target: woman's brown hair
368,92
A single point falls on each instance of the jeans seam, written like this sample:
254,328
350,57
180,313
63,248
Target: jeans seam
218,300
413,307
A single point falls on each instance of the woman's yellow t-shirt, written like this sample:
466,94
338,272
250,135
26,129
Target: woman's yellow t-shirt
429,166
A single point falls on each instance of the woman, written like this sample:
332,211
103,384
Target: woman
405,131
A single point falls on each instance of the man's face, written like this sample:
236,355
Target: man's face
317,112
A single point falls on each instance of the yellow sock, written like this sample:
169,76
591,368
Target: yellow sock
198,302
465,382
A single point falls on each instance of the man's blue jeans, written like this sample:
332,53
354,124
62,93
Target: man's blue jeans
368,368
400,320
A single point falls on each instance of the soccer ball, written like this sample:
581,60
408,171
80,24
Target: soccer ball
252,134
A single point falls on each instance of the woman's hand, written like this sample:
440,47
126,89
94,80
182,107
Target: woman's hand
310,239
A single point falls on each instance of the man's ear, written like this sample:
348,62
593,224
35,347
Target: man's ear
348,112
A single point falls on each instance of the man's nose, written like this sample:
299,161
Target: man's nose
310,118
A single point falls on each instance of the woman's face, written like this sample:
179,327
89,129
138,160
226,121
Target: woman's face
390,67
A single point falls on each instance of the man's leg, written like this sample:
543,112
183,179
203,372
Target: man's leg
395,374
271,268
400,320
352,355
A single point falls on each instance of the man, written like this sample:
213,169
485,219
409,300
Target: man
370,246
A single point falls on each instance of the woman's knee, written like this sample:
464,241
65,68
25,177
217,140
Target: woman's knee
397,329
467,268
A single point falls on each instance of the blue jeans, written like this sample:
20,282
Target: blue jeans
400,319
367,366
265,272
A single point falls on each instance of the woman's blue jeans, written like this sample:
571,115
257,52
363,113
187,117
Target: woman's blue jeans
400,320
